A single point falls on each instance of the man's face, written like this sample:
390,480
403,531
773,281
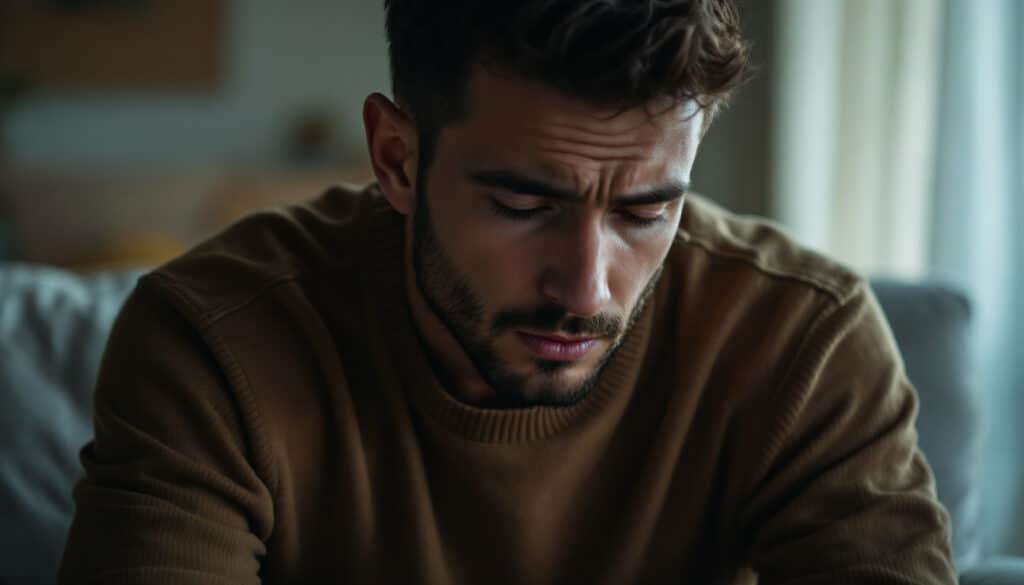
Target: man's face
540,229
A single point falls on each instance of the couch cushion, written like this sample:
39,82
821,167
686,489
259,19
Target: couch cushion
995,571
931,325
53,327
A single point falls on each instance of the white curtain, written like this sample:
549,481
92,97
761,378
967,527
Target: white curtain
898,148
977,237
853,149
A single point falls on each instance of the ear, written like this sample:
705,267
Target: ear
391,140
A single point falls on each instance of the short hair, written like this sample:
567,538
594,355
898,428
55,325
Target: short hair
619,53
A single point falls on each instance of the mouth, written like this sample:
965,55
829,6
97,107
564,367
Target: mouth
558,348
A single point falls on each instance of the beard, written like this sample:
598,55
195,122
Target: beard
451,298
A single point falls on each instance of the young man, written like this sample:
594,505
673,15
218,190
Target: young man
516,358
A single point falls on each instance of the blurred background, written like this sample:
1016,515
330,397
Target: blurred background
888,133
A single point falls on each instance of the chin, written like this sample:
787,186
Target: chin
550,388
524,381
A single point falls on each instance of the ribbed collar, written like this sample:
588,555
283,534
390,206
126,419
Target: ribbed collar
384,238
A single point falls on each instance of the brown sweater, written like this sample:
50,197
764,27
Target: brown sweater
265,412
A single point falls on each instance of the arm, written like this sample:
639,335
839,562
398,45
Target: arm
169,493
845,495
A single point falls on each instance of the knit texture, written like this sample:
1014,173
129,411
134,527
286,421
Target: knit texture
265,413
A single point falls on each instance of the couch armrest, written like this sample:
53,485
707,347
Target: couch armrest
995,571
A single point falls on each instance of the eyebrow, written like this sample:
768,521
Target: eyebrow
525,185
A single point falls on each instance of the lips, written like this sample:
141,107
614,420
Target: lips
556,348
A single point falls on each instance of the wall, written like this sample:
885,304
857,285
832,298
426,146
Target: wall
329,55
732,166
90,177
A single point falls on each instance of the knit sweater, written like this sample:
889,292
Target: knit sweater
265,412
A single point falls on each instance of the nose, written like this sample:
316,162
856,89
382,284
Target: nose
576,277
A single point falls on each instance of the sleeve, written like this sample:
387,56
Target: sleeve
844,494
169,494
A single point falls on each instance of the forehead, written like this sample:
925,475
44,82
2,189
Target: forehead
535,128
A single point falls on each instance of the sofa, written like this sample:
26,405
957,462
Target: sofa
53,326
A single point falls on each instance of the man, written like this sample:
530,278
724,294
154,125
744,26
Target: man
516,358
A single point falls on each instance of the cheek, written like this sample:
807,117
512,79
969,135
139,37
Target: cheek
632,267
502,270
499,265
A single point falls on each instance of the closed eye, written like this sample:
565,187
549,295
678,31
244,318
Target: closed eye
515,212
645,215
518,207
524,207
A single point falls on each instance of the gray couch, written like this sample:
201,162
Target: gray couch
52,330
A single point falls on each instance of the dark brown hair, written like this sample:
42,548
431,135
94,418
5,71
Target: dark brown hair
621,53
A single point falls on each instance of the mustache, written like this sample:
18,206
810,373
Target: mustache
556,318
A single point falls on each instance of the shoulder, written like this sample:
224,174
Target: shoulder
792,341
734,275
762,249
742,291
238,321
266,249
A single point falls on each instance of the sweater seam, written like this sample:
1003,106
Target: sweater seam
826,286
211,316
235,373
807,354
